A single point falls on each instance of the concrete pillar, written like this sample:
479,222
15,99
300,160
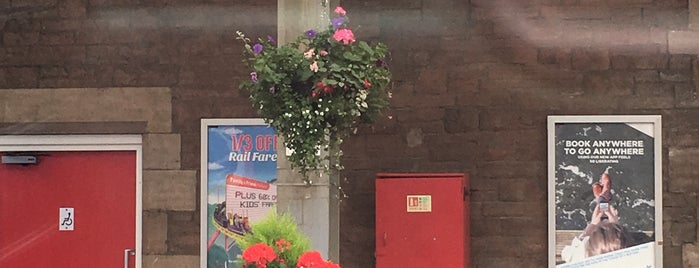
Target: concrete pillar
315,207
294,17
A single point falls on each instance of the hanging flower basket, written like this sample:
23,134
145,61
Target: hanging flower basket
315,90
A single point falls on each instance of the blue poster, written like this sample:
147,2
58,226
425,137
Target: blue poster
241,186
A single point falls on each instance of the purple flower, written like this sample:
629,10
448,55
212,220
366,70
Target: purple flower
272,89
380,63
253,77
257,48
271,39
337,22
310,33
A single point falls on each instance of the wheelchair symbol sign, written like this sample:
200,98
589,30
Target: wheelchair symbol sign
66,219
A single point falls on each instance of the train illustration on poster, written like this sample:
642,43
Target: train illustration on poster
240,189
604,191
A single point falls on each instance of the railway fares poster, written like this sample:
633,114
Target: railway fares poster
239,174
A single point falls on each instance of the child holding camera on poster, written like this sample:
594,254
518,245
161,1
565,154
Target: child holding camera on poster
604,233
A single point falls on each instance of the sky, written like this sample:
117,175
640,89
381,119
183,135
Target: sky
219,148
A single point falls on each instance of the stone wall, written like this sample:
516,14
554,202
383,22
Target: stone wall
474,82
148,67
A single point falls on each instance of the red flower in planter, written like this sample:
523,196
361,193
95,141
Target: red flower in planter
312,259
283,245
259,254
367,84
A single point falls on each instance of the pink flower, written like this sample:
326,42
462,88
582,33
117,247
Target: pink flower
328,89
340,10
308,54
314,66
346,36
323,53
367,84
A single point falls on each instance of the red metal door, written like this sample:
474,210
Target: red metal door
422,220
100,187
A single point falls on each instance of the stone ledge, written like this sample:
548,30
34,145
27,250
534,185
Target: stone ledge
136,104
62,128
169,190
683,42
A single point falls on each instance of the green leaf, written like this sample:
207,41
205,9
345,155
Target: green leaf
348,55
363,45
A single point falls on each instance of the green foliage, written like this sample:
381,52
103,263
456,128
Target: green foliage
273,229
315,90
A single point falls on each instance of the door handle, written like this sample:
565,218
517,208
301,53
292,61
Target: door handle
128,252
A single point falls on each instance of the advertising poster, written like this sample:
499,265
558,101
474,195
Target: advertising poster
605,190
239,173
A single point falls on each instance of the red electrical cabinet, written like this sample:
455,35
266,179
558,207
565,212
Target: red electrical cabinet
422,220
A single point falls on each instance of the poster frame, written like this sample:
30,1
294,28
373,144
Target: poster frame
206,123
656,121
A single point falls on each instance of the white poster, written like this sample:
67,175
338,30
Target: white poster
605,202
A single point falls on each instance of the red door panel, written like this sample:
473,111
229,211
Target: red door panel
434,238
100,186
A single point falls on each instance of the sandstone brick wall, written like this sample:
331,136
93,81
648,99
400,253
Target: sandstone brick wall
474,82
187,48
